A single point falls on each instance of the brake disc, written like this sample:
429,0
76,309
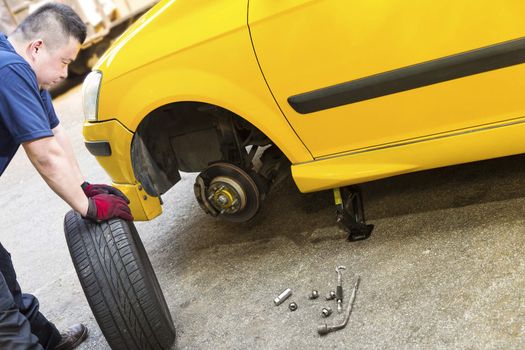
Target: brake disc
227,191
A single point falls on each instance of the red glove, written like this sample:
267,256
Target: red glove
106,206
93,189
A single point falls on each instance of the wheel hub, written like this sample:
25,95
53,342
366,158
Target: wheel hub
226,195
227,191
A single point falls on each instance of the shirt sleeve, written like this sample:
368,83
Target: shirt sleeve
21,107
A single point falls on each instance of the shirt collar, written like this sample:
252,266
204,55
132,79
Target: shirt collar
5,44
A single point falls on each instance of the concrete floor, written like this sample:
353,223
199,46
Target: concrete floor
443,269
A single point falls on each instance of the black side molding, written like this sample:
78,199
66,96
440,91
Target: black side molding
477,61
99,148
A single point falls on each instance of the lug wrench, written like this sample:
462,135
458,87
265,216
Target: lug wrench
339,290
323,329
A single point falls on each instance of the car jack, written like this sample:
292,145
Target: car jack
350,213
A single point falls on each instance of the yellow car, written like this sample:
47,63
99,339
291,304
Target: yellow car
340,92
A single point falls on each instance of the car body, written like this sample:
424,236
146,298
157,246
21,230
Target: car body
339,92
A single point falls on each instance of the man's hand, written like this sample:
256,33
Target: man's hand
106,206
92,190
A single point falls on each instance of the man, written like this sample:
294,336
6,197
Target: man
34,57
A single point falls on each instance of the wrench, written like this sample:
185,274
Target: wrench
323,329
339,290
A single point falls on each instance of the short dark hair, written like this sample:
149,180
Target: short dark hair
58,21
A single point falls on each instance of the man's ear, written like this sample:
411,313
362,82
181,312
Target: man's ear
34,48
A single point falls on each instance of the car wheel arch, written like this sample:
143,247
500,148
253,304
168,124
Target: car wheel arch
187,136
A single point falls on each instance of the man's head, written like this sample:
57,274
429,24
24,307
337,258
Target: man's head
49,39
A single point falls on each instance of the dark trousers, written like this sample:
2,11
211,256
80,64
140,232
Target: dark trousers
22,326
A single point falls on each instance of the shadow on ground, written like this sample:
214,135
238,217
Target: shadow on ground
309,219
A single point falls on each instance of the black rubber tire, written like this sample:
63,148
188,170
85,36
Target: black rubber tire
119,283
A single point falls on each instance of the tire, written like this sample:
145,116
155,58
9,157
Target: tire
119,283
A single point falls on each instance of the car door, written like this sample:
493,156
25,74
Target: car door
354,74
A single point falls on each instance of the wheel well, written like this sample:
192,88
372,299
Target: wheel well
188,136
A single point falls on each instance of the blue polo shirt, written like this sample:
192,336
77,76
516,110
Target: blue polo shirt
26,112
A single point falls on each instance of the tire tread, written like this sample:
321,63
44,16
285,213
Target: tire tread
119,283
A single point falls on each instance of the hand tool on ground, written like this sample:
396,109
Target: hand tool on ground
339,290
282,297
323,329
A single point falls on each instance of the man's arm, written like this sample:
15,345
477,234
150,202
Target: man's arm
89,189
54,165
63,140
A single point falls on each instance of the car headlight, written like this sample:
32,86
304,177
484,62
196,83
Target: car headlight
90,90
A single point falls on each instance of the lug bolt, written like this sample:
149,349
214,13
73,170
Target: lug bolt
222,200
292,306
326,311
313,295
331,295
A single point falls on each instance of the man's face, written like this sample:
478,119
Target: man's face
50,64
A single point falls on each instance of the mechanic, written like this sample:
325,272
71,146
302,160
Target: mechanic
35,57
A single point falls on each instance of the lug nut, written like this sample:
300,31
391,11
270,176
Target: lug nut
331,295
292,306
326,311
313,295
